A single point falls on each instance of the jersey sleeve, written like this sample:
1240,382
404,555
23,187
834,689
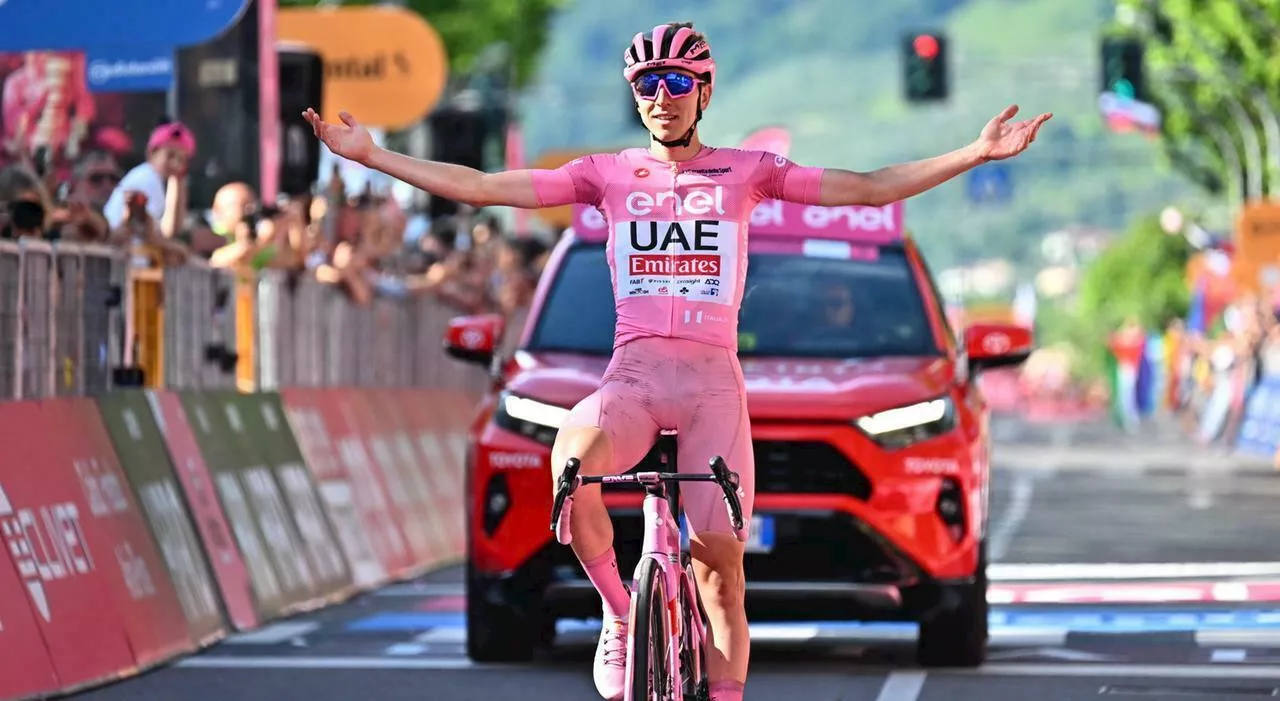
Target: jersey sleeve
578,182
778,178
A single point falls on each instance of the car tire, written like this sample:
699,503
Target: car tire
507,631
957,636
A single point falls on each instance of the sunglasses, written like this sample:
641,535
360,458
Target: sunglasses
102,178
676,84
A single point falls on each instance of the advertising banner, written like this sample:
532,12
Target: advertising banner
215,533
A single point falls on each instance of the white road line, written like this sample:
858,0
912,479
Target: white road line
444,635
902,686
273,634
327,663
1223,671
1011,520
431,589
1014,572
1243,638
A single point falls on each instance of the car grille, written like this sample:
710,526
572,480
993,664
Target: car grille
793,467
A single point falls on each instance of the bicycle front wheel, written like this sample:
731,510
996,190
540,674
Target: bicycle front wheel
650,641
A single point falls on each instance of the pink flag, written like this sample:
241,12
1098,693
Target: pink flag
772,139
515,161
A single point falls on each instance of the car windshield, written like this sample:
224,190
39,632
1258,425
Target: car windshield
795,306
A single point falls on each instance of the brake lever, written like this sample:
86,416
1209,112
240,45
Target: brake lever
563,503
729,482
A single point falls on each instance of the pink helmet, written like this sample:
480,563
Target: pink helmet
669,46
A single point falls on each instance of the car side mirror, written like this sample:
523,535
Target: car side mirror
474,339
997,345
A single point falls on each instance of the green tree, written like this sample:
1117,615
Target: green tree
1202,55
1141,275
469,28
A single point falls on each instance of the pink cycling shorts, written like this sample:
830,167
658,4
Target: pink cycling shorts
655,384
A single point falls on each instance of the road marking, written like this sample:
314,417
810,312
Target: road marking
1011,520
1244,671
273,634
423,589
902,686
1014,572
328,663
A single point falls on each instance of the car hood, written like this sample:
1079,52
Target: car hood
777,388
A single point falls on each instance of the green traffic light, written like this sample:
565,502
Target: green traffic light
1123,88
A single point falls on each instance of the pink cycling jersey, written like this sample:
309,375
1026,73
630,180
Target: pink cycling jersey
677,246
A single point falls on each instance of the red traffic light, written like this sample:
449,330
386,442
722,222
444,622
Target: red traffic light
925,46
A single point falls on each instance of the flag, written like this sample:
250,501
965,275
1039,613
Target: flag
515,161
774,139
1196,321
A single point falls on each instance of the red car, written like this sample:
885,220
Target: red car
871,438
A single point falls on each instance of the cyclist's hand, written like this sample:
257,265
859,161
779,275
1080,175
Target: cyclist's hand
1000,140
349,139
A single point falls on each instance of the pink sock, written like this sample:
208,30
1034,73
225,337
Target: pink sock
726,691
603,573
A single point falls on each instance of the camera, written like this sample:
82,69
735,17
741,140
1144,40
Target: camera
255,214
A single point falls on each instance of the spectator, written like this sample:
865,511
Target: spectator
25,204
93,179
161,179
260,240
348,269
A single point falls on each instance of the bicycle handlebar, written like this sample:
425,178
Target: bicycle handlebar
569,482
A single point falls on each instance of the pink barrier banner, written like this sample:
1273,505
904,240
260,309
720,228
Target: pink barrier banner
148,602
64,552
347,505
211,523
27,668
777,218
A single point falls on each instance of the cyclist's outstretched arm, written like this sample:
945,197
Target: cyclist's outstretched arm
998,141
896,182
511,188
516,188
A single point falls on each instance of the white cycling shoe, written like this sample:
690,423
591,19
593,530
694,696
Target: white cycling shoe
610,669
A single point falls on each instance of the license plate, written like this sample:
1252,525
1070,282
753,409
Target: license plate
760,534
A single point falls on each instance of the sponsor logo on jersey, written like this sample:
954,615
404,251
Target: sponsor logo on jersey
711,172
696,260
698,202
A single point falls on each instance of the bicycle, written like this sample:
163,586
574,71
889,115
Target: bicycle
664,594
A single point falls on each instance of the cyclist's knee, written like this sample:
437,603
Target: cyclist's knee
718,568
590,445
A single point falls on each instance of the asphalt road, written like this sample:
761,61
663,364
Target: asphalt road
1084,496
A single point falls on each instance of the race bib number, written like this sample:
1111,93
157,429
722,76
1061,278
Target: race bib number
696,260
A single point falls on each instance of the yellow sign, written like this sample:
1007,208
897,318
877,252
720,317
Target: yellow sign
1256,262
550,160
384,65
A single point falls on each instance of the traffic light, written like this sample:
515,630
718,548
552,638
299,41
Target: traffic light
1122,71
924,62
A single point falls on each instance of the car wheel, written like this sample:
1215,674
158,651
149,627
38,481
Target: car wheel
504,630
957,636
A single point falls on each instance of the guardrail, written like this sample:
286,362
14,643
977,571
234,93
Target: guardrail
79,320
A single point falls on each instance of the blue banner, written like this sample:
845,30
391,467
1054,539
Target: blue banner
129,69
77,25
1260,430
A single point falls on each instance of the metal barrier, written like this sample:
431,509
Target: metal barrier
60,318
75,319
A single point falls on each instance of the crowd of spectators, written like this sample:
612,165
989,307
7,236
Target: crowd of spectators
364,242
1218,369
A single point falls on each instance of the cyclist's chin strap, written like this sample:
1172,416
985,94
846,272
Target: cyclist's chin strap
688,135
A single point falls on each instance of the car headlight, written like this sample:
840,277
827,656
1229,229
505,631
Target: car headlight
529,417
907,425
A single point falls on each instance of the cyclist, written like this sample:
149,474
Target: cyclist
678,214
